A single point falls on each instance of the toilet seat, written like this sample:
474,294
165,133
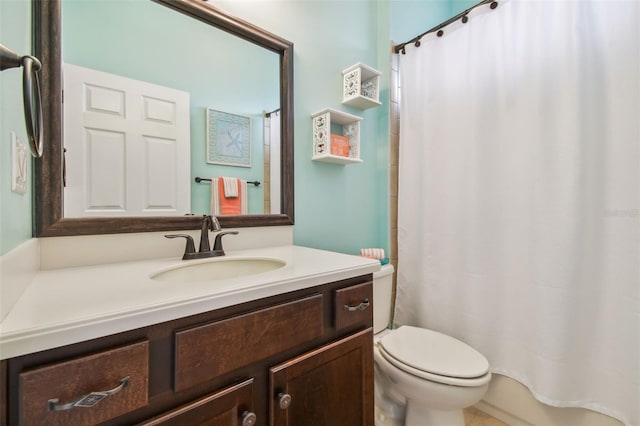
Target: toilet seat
434,356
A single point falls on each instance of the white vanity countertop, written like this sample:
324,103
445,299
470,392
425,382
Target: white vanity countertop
71,305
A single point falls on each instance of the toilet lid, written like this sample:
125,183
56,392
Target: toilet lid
433,352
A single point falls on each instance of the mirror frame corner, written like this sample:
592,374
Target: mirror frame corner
48,173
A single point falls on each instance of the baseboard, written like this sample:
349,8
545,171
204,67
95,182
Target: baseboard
501,415
512,403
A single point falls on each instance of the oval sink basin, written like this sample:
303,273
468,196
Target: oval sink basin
218,269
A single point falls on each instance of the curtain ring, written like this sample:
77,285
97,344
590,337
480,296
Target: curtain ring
34,125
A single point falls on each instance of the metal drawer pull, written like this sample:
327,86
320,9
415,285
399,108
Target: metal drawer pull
89,400
249,418
361,307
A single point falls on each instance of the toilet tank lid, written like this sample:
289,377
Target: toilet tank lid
384,271
434,352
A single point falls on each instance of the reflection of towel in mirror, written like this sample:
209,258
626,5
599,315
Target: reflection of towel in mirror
228,206
230,187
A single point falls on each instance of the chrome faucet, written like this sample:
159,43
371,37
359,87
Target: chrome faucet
209,223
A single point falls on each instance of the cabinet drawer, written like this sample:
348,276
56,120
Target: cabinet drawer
230,406
102,386
207,351
353,305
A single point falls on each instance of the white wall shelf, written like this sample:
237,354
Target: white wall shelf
361,86
330,121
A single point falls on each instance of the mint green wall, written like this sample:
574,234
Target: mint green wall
458,6
15,209
341,208
410,18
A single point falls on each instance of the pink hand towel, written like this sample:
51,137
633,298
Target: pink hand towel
228,206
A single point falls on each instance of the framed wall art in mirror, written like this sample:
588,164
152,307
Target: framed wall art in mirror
49,171
228,138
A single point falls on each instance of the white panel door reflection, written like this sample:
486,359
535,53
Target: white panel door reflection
127,146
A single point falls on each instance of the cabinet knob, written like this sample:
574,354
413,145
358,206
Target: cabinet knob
248,418
284,400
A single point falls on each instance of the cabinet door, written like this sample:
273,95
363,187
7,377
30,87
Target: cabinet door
231,406
329,386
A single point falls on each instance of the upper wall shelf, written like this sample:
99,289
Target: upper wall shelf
361,86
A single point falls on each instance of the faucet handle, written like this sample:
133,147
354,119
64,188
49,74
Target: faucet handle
217,244
190,248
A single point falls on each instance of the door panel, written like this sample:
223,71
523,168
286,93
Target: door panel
127,146
330,386
227,407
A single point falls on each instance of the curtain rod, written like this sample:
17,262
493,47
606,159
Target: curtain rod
268,114
400,47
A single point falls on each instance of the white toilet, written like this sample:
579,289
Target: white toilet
422,377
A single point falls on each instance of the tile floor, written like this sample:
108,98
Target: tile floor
475,417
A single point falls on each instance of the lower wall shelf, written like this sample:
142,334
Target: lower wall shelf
336,159
336,132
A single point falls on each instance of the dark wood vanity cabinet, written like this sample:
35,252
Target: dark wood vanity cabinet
303,358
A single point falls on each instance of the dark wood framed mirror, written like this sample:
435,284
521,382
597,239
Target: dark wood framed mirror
48,174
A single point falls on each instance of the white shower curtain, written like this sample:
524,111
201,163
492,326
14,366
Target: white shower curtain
519,196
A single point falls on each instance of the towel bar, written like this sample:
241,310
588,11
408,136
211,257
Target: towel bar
252,182
30,93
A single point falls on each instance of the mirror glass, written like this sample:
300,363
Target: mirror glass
162,99
155,99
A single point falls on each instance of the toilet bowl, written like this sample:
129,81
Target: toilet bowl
422,377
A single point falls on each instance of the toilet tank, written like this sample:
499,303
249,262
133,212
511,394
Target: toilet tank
382,288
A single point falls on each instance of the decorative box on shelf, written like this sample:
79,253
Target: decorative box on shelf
361,86
336,137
